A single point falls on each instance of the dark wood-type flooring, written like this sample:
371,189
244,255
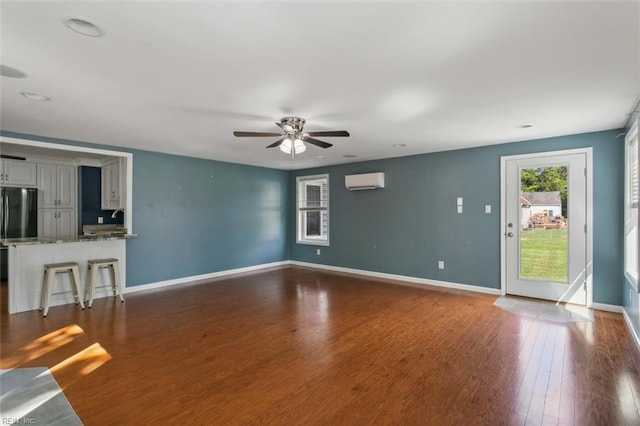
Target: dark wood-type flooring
298,346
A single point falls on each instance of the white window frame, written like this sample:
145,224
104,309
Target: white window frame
631,188
301,237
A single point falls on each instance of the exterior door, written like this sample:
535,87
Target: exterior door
545,226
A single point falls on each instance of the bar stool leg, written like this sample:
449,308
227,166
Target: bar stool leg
92,282
76,281
115,270
43,296
49,278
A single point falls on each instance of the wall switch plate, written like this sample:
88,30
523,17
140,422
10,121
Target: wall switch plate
459,201
440,264
100,219
487,208
318,252
459,209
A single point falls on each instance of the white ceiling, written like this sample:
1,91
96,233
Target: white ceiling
181,76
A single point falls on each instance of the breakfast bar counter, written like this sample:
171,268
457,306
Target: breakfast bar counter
27,257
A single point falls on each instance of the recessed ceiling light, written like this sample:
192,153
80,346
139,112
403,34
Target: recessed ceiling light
84,27
349,156
526,126
399,145
35,96
6,71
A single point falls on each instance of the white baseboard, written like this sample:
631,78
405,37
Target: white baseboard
412,280
608,308
193,279
632,330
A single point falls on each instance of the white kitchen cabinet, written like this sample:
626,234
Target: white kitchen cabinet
18,173
57,224
58,185
112,186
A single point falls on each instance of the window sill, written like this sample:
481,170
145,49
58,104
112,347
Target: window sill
314,242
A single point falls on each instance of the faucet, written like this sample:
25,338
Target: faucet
113,215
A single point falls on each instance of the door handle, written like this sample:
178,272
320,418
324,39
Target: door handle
509,234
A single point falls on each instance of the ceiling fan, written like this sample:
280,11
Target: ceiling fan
293,138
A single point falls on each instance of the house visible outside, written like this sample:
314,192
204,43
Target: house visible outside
541,210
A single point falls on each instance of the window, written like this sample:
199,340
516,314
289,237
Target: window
312,201
631,198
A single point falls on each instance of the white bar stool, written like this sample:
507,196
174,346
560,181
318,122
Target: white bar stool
50,271
94,266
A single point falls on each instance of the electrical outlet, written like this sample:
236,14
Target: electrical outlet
100,219
318,252
440,264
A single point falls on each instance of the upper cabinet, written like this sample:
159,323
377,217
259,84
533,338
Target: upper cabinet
18,173
113,185
58,184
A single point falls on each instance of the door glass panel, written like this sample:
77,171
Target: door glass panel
544,234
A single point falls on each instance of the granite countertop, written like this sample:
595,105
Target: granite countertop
80,238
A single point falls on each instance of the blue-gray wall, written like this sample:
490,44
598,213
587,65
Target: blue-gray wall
198,216
409,225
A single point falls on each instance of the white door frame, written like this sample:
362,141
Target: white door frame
589,213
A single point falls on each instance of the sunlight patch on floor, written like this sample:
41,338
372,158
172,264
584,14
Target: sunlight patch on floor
43,345
544,310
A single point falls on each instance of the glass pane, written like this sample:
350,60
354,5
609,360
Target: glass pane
544,237
313,224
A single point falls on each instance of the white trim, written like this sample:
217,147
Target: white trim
588,151
310,240
62,147
194,279
409,279
607,308
632,330
632,136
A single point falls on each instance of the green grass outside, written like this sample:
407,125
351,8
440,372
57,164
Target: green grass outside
543,254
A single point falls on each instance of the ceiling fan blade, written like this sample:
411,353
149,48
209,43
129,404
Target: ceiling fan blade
255,134
277,143
286,127
329,133
315,142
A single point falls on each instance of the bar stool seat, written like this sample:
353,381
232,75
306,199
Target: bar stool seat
114,270
50,271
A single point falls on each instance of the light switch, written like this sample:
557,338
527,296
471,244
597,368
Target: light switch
459,202
459,209
487,208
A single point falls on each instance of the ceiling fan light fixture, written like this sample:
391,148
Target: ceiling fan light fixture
285,146
297,145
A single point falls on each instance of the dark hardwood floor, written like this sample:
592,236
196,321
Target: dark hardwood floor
299,346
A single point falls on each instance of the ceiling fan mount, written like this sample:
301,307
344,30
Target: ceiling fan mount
291,125
293,139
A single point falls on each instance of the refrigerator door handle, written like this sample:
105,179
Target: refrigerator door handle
6,215
2,215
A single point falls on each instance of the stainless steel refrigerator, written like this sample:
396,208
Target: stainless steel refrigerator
18,219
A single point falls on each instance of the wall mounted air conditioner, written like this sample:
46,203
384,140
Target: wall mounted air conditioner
364,181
